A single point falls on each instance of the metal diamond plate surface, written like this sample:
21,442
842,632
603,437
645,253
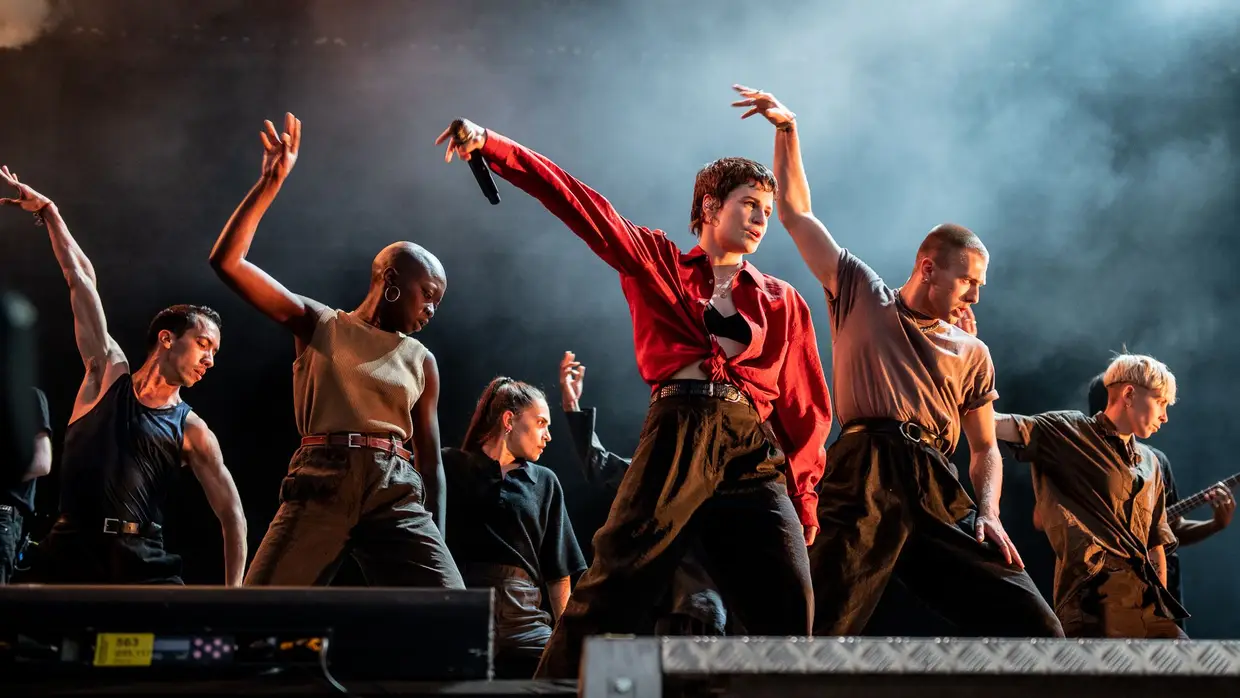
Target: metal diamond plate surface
854,655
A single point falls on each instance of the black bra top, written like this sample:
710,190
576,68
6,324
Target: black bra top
732,327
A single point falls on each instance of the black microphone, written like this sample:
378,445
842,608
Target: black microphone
477,164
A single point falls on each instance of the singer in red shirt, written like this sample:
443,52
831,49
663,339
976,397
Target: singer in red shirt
733,443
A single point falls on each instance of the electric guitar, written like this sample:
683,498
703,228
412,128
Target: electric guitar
1187,504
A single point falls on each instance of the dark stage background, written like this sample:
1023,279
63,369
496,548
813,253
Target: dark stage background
1092,145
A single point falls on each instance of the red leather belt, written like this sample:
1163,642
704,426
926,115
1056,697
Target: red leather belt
386,443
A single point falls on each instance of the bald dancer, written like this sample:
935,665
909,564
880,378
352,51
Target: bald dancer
362,387
909,379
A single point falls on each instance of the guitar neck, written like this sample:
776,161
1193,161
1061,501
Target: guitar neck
1189,503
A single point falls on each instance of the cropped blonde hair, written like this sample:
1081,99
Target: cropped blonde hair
1142,370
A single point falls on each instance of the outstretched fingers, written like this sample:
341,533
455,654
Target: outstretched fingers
291,138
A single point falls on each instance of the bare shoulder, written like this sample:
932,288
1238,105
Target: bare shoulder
198,436
429,362
96,383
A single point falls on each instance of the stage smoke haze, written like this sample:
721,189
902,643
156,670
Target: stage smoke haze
1092,145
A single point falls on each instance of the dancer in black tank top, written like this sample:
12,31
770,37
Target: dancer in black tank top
128,436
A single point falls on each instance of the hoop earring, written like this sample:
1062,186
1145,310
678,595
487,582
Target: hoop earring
386,294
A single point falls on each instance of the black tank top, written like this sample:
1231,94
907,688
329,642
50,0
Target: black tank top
120,458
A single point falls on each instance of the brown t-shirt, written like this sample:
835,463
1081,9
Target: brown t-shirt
1098,495
889,361
356,378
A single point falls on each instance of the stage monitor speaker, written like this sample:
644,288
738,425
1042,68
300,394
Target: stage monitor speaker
356,633
890,667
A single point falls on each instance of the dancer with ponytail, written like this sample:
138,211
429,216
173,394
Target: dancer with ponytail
509,528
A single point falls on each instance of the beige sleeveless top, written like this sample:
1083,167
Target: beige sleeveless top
356,378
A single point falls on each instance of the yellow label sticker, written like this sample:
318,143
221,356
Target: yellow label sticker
123,649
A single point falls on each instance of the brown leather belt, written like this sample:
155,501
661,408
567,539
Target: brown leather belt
387,444
724,391
912,431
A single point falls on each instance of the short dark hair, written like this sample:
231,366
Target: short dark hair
1097,394
949,238
721,177
501,395
177,319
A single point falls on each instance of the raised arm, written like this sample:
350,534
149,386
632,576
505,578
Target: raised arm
601,466
101,355
202,452
427,457
986,473
819,250
228,257
627,248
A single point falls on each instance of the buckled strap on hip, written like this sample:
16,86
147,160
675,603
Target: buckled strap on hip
723,391
111,526
388,443
911,431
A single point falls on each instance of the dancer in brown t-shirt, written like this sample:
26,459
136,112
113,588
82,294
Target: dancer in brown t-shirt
907,382
1101,502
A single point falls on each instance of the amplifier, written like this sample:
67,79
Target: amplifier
367,633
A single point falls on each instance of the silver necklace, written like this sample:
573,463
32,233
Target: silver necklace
724,287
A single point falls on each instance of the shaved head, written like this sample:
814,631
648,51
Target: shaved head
408,260
408,284
949,239
949,272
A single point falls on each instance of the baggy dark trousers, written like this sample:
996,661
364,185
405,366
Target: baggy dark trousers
703,467
359,501
77,551
1116,602
890,506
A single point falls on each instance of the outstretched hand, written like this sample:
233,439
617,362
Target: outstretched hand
280,149
463,137
572,382
28,199
763,103
989,528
